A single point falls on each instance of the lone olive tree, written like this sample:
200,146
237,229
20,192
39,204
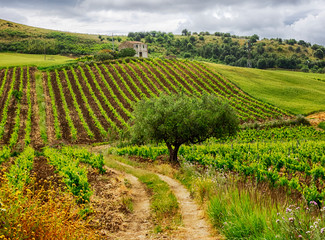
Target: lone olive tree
178,119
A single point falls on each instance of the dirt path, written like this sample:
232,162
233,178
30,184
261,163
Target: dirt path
316,118
138,223
194,226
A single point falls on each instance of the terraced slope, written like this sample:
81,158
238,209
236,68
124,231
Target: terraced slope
93,102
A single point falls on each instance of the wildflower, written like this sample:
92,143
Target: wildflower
308,232
297,208
278,214
291,219
289,210
322,230
299,236
277,221
313,202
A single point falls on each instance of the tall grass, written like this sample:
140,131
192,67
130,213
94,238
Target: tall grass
35,213
41,105
245,210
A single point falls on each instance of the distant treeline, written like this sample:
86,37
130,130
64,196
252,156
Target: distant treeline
243,51
236,50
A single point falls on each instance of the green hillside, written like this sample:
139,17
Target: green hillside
297,92
19,59
21,38
213,47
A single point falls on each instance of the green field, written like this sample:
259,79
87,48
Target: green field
297,92
19,59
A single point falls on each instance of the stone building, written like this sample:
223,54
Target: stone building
140,48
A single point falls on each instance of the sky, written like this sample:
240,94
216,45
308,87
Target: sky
298,19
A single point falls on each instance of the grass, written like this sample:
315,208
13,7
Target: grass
322,125
19,59
164,205
242,210
296,92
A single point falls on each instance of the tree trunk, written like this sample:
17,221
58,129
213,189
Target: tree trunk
173,153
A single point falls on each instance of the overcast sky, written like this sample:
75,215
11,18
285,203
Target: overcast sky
299,19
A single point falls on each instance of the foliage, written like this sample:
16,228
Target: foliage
322,125
282,157
178,119
18,175
4,154
127,52
35,213
83,155
103,56
6,105
74,177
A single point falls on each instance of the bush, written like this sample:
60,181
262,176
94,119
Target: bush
103,56
127,52
261,63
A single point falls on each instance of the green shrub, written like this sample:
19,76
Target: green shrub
322,125
127,52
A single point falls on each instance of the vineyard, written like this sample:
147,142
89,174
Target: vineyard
289,158
93,103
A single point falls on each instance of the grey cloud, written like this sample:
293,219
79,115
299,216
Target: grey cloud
267,18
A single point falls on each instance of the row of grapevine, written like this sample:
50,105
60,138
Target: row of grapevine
84,156
107,102
91,112
240,94
297,165
145,76
4,80
152,74
28,127
65,107
145,87
111,92
74,176
57,126
6,104
19,173
4,154
92,102
18,95
77,107
115,84
94,97
173,74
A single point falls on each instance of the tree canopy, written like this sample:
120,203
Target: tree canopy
179,119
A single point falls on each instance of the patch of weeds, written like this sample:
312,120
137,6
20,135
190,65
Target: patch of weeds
127,204
322,125
127,183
